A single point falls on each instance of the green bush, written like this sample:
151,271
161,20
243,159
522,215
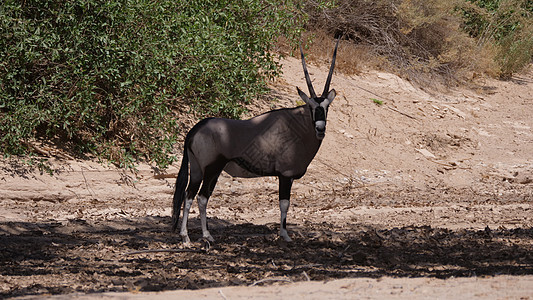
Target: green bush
107,77
508,24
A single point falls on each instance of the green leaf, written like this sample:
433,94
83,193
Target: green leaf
376,101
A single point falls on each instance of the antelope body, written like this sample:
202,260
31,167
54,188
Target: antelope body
278,143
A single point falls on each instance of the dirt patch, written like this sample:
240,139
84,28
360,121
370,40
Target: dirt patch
423,185
98,255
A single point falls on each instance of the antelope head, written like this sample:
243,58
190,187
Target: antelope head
319,105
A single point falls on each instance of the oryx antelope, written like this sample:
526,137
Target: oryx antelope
278,143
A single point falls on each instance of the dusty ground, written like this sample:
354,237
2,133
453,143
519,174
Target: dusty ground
426,195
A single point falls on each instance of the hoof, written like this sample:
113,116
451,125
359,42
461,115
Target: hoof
286,238
209,238
207,243
186,241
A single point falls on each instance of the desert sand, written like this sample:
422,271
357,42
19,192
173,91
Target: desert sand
426,195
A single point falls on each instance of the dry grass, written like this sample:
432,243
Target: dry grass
432,43
421,40
354,59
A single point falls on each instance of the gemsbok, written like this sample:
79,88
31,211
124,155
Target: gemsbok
278,143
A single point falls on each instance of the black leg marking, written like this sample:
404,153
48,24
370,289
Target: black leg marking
285,185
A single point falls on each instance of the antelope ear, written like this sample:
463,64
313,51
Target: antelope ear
303,95
331,96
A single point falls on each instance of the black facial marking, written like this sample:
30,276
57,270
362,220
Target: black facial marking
320,114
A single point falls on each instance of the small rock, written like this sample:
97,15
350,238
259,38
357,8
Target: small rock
523,179
426,153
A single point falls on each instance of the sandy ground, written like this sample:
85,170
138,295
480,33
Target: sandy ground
426,195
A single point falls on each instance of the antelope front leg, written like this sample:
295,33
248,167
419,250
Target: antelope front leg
284,207
285,185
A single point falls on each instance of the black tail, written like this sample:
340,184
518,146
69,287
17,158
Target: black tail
181,185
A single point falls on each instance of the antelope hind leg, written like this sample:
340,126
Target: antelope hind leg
202,206
183,231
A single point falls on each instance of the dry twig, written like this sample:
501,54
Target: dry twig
306,266
271,279
163,250
401,113
163,176
451,166
222,294
306,276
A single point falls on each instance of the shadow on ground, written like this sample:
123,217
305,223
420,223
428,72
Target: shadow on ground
78,256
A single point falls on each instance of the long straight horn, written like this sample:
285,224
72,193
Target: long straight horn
307,79
326,87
